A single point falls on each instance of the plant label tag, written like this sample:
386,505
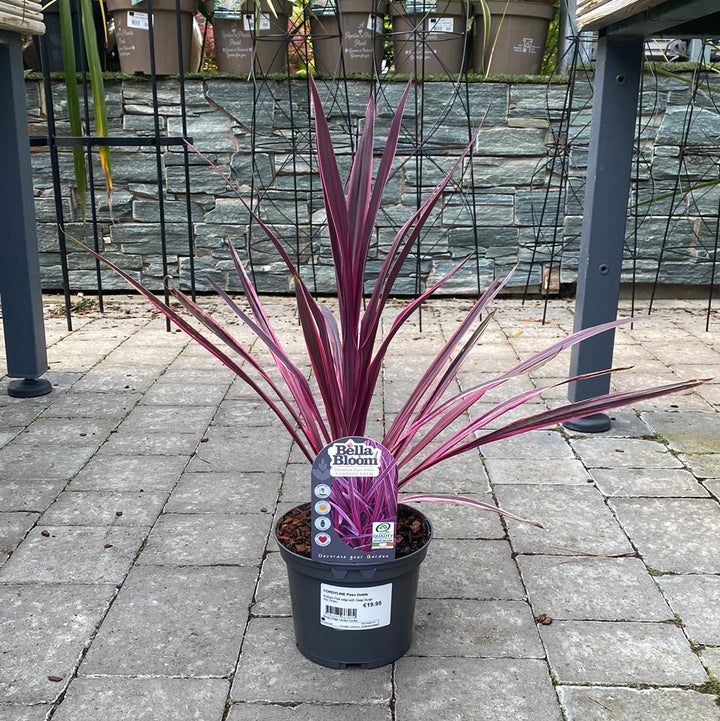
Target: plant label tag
355,609
249,22
440,25
137,20
229,10
323,7
375,24
419,7
354,502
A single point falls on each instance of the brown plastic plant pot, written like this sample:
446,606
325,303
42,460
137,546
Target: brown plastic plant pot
515,42
239,39
347,36
429,38
133,35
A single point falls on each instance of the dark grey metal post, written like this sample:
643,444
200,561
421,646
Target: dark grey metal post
617,80
19,264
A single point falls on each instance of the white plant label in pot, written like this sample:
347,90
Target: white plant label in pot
440,25
355,609
137,20
249,22
419,7
375,24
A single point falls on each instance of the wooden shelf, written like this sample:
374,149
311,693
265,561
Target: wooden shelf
21,16
673,18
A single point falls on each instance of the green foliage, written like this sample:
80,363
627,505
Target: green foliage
552,44
94,66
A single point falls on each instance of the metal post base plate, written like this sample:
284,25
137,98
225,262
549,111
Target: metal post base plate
596,423
29,388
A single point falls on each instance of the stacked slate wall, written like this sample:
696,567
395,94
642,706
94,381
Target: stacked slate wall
517,201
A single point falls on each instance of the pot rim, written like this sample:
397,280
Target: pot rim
409,559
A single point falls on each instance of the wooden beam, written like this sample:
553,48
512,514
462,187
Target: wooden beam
21,16
645,17
595,14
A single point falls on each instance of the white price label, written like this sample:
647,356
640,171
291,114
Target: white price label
375,24
440,25
137,20
355,609
249,22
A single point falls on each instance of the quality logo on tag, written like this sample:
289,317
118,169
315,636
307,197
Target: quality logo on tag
383,534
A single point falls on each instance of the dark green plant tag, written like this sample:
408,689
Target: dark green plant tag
354,502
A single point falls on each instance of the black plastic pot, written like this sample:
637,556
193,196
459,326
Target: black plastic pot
350,614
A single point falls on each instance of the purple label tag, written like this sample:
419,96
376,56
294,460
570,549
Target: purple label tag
354,502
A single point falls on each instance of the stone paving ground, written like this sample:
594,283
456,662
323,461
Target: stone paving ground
139,579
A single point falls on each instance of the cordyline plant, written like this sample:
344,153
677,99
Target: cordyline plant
346,352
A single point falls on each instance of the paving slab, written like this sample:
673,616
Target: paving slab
207,539
463,688
673,534
112,472
228,449
239,492
529,470
309,712
462,475
174,622
74,554
13,527
592,588
113,406
23,713
461,569
624,453
158,419
593,703
623,653
184,394
272,597
705,465
242,413
116,377
67,431
710,656
7,436
272,670
296,482
104,508
696,600
690,432
44,631
147,699
451,520
535,445
499,629
644,483
29,495
47,462
18,413
563,512
714,487
128,442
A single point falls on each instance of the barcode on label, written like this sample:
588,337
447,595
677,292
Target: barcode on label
340,611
